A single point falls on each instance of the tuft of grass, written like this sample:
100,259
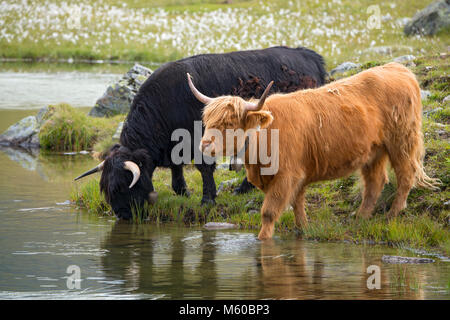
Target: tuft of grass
66,128
89,197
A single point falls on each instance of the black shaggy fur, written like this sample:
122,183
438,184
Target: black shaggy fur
165,103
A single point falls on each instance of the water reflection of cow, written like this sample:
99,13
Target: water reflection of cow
212,265
134,255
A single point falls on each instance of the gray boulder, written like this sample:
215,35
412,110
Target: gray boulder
405,58
20,133
431,20
398,259
226,184
424,94
24,133
118,97
402,21
344,67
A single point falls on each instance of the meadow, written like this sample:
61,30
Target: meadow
160,31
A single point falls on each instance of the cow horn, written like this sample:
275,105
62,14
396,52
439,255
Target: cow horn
258,106
94,170
133,167
200,96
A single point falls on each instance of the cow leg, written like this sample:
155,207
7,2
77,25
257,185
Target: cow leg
301,220
405,173
278,195
209,186
375,177
178,182
244,187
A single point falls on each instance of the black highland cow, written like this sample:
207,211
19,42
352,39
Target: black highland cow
165,103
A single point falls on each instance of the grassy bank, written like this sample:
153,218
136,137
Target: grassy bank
330,205
68,129
159,31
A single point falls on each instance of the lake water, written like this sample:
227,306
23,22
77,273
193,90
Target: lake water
42,234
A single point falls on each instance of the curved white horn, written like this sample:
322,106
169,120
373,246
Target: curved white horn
94,170
134,168
258,106
200,96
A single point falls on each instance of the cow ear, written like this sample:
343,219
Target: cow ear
263,119
141,157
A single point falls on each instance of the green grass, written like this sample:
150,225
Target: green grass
69,129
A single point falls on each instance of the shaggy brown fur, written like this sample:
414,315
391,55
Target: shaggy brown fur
357,123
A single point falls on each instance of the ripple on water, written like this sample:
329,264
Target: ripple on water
86,294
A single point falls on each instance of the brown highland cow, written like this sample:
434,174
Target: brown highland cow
357,123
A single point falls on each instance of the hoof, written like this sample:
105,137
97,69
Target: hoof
240,190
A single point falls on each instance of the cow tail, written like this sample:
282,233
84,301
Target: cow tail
422,179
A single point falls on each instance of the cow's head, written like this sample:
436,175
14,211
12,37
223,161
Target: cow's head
126,179
230,113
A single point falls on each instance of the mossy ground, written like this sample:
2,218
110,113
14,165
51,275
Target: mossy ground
69,129
165,30
330,205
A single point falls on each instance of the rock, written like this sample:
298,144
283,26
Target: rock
442,133
386,18
344,67
398,259
118,97
424,94
251,204
24,133
387,50
219,225
428,112
405,58
225,184
21,133
403,21
41,114
253,211
446,99
447,203
223,166
431,20
116,135
380,50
